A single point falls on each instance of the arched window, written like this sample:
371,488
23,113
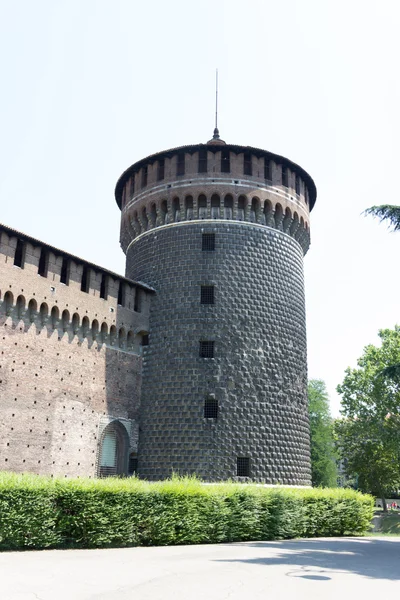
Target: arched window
75,323
32,310
8,302
176,210
287,220
278,216
95,329
44,313
135,223
268,213
153,215
164,212
85,326
254,210
55,314
113,334
121,338
20,306
241,207
104,332
65,320
189,208
145,220
129,340
215,206
114,446
202,203
228,207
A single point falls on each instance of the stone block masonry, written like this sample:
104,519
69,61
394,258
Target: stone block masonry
258,372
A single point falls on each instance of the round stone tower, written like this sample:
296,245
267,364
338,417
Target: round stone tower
220,231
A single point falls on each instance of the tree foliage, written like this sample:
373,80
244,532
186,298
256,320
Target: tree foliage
386,212
323,453
369,432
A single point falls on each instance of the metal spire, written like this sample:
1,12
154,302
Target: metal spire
216,132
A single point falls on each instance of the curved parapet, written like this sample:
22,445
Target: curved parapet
215,182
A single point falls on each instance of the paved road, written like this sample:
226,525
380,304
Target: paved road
320,569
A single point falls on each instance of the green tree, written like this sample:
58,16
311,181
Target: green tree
386,212
369,432
323,453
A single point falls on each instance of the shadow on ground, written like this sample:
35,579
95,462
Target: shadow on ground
316,558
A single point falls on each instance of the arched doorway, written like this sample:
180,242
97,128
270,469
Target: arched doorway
113,456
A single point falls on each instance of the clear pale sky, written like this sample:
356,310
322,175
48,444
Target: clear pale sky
90,86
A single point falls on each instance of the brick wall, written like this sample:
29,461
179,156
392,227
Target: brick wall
61,383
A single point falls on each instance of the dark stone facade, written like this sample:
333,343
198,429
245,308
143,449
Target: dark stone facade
258,373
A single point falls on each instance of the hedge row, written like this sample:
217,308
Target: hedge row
37,512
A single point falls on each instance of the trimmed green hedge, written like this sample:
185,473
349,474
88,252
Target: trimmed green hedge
37,512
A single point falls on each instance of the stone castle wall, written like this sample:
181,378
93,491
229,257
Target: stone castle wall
258,373
70,360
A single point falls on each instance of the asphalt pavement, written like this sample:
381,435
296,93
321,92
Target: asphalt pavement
320,569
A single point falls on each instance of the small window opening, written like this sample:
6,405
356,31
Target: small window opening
284,176
19,256
132,186
65,271
138,301
145,339
180,164
267,169
206,349
85,280
207,294
104,287
225,161
297,184
208,242
211,408
203,160
243,466
43,262
121,294
132,464
161,169
144,175
247,167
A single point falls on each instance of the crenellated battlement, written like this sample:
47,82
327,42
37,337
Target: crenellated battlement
215,182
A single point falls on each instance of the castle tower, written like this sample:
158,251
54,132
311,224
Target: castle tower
220,231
